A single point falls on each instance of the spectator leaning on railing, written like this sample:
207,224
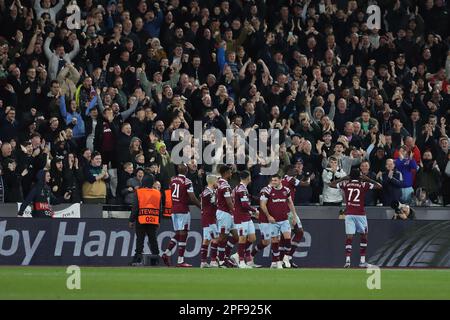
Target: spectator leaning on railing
95,174
332,196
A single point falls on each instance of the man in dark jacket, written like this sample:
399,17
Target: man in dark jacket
41,197
392,181
123,144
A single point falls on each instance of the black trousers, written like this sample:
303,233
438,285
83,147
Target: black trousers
148,230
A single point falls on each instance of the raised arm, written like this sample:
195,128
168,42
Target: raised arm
334,184
63,74
37,7
127,113
76,49
58,7
48,52
146,85
74,74
376,184
62,107
244,69
92,104
221,58
31,45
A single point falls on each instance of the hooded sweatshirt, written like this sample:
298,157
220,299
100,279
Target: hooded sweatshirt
40,198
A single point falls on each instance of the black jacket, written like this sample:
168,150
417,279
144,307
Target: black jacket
392,187
12,181
72,180
123,148
40,197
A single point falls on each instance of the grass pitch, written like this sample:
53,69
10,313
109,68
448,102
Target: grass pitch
165,283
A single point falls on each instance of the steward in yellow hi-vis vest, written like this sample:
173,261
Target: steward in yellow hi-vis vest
146,211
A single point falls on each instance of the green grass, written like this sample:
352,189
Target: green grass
163,283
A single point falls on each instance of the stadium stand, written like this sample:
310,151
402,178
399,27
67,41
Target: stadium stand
114,92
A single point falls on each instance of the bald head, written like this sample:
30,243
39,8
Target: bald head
182,168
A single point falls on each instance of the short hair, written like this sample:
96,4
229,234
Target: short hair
276,176
211,178
355,173
95,154
290,171
107,109
244,174
124,124
35,134
224,169
127,165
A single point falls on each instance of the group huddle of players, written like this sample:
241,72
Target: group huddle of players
228,217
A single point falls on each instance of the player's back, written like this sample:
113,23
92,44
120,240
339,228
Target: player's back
180,186
241,204
223,192
355,195
208,206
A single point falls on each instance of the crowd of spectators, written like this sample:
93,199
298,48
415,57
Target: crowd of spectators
98,105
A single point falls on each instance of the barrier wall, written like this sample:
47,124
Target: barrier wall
110,242
305,212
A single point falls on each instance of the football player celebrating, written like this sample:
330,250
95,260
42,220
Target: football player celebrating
355,188
242,214
291,182
210,234
225,224
182,193
276,203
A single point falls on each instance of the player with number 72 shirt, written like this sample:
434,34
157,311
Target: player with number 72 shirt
355,188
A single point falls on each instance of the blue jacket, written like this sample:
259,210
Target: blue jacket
154,27
392,187
79,130
406,168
